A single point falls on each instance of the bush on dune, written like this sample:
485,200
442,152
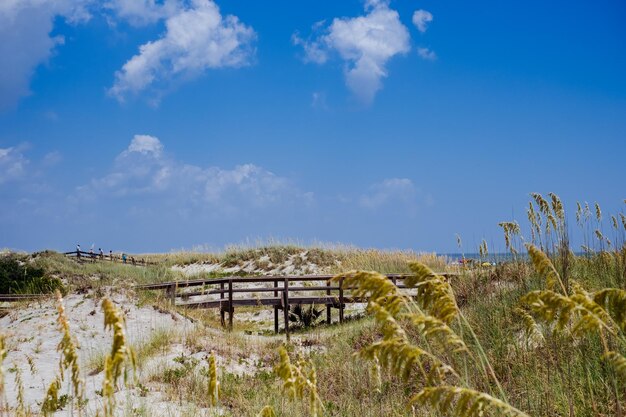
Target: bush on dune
18,276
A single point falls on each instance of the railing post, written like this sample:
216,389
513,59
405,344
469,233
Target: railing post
276,308
341,300
328,306
171,294
286,306
222,310
230,305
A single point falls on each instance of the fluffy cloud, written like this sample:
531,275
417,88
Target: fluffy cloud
145,144
143,12
196,39
421,18
145,170
366,43
389,191
12,164
25,27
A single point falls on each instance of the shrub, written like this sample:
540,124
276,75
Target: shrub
304,316
18,276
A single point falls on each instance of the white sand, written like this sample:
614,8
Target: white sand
32,333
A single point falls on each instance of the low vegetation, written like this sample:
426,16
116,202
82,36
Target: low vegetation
543,334
20,275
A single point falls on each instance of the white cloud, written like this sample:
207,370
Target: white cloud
143,12
145,144
366,43
144,169
427,54
421,19
389,191
196,39
25,27
313,51
12,164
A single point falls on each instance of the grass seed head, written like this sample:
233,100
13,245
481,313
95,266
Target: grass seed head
544,267
213,386
69,354
464,402
433,292
267,411
618,362
51,402
119,359
298,378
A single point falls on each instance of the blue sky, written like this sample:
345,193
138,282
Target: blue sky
155,125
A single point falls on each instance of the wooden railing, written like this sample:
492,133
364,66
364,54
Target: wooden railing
223,293
8,298
93,257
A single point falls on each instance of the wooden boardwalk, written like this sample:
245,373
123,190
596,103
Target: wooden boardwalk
278,292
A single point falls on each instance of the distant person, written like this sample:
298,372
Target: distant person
124,257
110,254
101,253
132,260
78,250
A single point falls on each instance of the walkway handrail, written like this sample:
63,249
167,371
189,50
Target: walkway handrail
21,297
260,279
106,257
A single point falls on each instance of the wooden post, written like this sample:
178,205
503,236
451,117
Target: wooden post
222,310
286,306
171,294
341,300
230,305
276,308
328,306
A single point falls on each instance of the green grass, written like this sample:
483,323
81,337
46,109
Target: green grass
20,275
